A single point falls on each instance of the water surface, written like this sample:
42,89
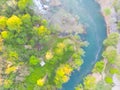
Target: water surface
90,16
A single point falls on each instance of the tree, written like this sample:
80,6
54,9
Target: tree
107,11
42,31
89,83
77,62
26,19
3,22
99,66
14,23
61,45
62,75
8,83
40,82
49,55
77,59
112,39
114,71
10,69
58,51
34,60
79,87
22,4
4,34
110,54
108,80
13,56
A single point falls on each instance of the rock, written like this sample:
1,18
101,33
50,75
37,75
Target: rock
55,3
66,23
39,7
116,82
28,46
42,63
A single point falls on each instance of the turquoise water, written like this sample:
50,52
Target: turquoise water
89,15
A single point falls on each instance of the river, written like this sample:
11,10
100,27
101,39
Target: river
90,16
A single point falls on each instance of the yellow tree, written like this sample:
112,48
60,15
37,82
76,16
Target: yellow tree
4,34
62,74
14,23
10,69
41,81
49,55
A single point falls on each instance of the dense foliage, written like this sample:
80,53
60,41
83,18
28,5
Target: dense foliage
32,55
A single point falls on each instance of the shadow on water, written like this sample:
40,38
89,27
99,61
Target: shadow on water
89,15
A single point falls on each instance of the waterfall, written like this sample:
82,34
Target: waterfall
39,7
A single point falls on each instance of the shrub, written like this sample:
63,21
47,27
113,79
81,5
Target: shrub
108,80
114,71
4,34
3,22
89,83
107,11
34,60
110,54
99,66
23,4
112,39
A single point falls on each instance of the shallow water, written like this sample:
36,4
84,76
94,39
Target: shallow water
90,16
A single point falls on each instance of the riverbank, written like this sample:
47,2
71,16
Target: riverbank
111,18
111,25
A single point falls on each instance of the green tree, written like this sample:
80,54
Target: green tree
107,11
3,22
108,80
34,60
26,19
114,71
23,4
112,39
99,66
110,54
89,83
79,87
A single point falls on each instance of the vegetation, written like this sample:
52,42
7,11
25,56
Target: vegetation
109,66
112,39
32,55
99,66
108,80
89,83
110,54
107,11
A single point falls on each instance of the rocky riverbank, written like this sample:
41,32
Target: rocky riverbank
111,18
111,22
